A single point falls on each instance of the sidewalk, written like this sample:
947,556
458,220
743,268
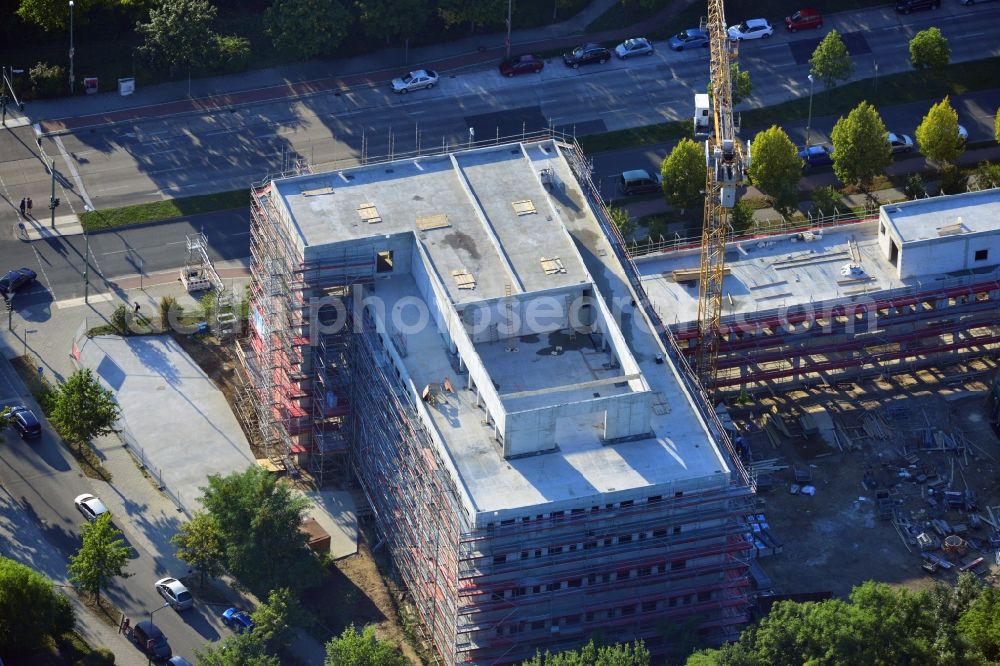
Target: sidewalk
319,77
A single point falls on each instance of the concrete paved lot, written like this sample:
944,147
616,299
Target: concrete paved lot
172,414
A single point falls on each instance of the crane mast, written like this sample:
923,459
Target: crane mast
723,175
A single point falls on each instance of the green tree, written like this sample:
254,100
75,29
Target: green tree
199,543
83,409
742,217
619,654
937,134
929,50
258,521
683,173
980,625
827,201
831,62
274,621
860,148
361,649
307,28
996,125
740,80
473,12
30,608
237,650
622,221
393,19
987,175
50,15
775,167
178,36
103,555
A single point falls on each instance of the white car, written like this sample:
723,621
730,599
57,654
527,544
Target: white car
900,143
91,507
415,80
751,29
963,134
174,593
633,47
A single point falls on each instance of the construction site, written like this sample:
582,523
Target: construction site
461,336
857,360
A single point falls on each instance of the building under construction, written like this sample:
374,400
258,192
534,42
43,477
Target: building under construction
465,334
916,285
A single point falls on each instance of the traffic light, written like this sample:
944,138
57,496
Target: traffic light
53,202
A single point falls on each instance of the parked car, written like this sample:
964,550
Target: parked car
907,6
750,29
25,422
900,143
175,593
415,80
963,134
689,39
238,620
638,181
91,507
586,54
816,155
150,640
803,19
522,64
16,279
633,47
179,661
969,3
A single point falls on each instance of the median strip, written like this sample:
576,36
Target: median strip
158,211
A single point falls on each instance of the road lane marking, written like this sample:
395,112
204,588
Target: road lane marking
104,297
76,174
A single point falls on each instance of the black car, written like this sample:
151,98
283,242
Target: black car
25,422
907,6
15,280
586,54
150,640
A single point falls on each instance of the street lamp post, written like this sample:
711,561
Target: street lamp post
812,80
71,50
149,657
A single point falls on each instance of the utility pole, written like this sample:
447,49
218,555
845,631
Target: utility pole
86,266
71,50
509,7
53,200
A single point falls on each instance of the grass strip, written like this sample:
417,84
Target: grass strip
902,88
164,210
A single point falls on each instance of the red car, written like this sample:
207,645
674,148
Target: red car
525,64
804,18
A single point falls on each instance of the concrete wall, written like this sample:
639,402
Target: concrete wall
534,430
943,254
523,314
434,294
948,254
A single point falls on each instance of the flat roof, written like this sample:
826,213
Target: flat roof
958,214
679,454
774,272
485,211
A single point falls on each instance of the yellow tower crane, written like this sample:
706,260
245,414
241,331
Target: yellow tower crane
724,174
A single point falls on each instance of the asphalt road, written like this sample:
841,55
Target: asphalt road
148,249
110,166
41,480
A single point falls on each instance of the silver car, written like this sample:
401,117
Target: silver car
175,593
415,80
900,143
687,39
633,47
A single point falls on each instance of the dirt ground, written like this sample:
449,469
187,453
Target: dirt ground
845,534
356,592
